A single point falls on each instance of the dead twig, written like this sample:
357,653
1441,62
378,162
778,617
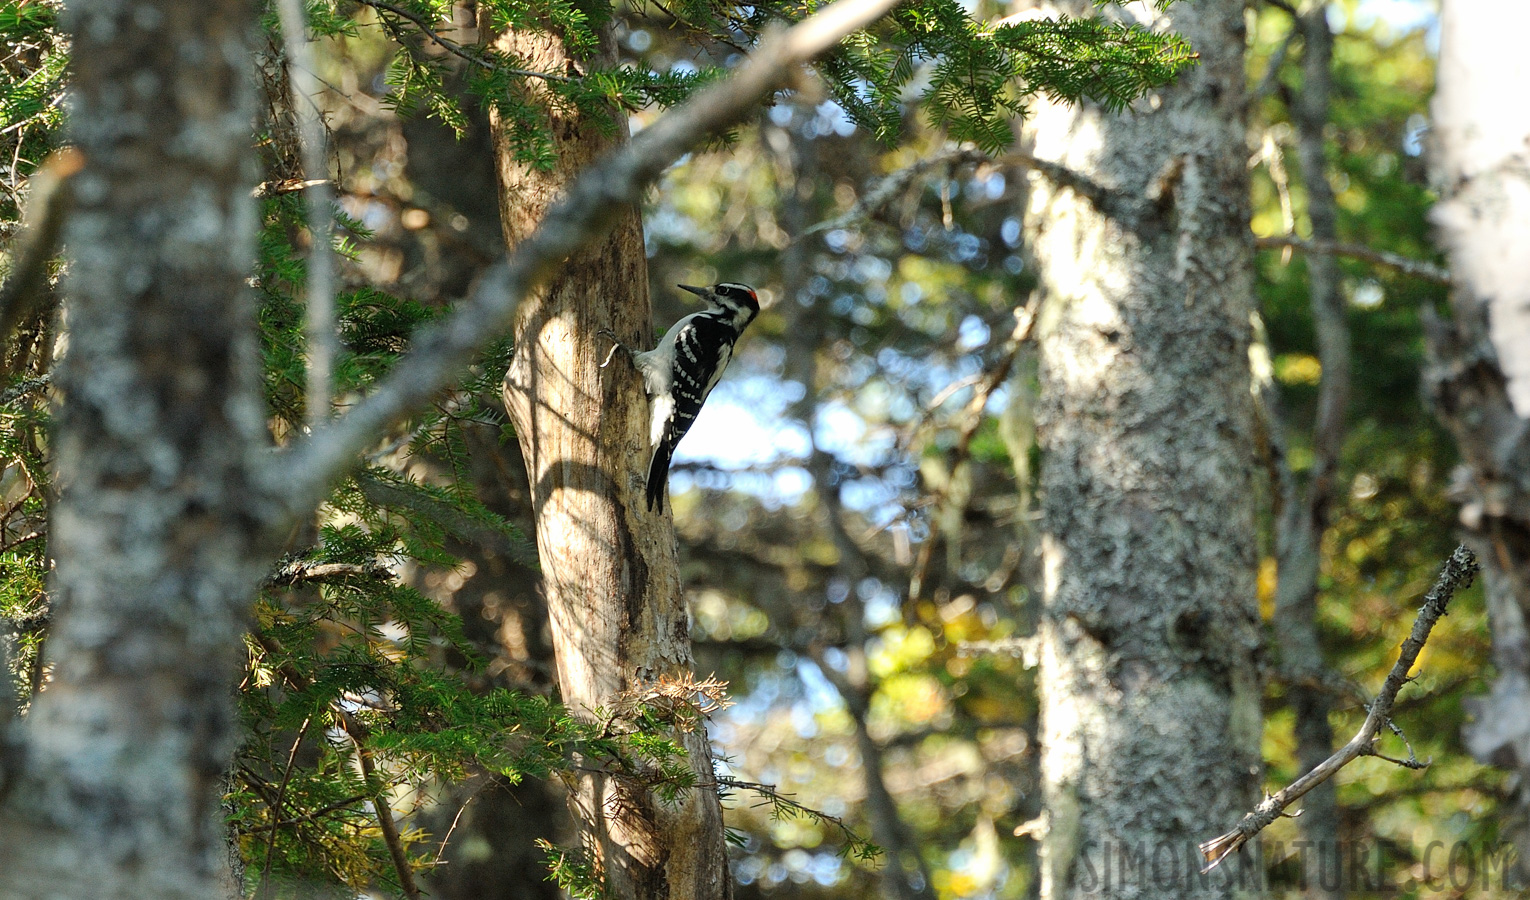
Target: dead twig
1458,572
303,572
879,196
310,816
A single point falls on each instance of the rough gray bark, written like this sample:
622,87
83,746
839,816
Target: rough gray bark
1149,692
157,540
1479,377
1305,510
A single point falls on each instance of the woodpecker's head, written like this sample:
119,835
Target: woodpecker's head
737,300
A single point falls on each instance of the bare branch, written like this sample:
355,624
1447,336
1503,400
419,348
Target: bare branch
1457,574
889,188
1408,266
320,325
267,887
1271,75
45,221
879,196
299,475
268,189
385,821
304,572
313,816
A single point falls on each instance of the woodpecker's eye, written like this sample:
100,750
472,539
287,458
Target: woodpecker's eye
740,291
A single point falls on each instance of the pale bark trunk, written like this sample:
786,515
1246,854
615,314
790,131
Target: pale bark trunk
1149,692
1479,378
157,536
612,581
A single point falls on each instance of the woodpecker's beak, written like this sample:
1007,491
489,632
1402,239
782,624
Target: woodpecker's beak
698,291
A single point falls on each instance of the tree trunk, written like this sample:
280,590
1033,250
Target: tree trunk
1304,516
1479,375
157,536
1149,691
612,581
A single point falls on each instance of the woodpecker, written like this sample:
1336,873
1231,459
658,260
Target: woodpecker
680,372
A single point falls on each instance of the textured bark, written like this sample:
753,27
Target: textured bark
1304,513
1479,377
612,581
157,536
1149,697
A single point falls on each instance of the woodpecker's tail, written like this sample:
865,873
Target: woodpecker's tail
658,475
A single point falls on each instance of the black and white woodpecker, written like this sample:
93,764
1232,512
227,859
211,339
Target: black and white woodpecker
680,373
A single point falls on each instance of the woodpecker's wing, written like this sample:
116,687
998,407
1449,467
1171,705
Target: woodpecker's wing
702,348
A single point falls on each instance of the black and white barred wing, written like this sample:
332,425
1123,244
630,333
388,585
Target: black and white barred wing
703,347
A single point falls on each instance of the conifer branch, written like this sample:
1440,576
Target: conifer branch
454,48
358,733
783,806
299,476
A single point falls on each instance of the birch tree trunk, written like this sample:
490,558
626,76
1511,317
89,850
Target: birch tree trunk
157,537
1149,693
1479,377
612,580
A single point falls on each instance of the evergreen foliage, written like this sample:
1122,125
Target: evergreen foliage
970,76
348,708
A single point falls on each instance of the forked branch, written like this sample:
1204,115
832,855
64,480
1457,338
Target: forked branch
1457,574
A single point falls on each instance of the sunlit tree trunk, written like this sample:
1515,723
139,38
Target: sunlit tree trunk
158,535
612,581
1479,375
1149,692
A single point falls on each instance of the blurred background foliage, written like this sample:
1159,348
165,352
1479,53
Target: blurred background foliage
856,507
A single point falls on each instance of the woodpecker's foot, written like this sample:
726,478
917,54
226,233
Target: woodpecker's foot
616,344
